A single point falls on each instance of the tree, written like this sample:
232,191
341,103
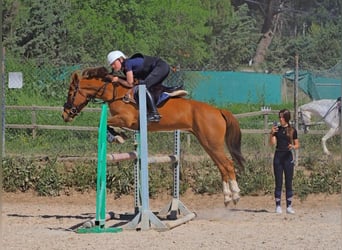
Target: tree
39,31
233,36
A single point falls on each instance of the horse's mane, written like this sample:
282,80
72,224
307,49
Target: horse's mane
98,72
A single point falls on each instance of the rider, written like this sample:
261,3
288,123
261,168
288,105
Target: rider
148,70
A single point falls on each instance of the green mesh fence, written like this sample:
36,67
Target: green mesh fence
319,85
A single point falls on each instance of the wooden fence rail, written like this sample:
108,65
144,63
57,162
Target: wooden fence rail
35,109
34,126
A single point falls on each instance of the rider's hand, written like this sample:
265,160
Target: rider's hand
115,79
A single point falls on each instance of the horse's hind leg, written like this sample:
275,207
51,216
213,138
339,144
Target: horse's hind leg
231,190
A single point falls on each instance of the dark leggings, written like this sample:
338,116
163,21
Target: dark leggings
283,163
158,74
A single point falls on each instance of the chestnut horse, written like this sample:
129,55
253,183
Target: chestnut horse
213,127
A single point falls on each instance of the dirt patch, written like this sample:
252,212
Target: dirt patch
31,222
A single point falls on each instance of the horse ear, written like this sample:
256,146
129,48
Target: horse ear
74,77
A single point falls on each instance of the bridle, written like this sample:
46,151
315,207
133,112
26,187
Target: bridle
74,110
302,122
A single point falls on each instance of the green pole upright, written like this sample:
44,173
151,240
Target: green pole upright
101,183
101,170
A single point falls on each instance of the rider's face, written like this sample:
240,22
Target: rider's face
116,65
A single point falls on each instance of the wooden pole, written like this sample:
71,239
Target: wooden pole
3,105
295,115
295,101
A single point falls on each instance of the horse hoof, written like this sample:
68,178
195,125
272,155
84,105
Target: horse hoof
236,198
115,139
119,139
236,201
227,200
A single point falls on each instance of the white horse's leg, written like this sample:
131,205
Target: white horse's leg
328,135
235,190
227,193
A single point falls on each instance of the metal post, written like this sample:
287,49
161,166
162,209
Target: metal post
295,101
145,216
295,113
3,105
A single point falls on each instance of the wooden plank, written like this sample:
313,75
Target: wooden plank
51,108
51,127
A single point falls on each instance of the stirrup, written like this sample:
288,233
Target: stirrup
153,117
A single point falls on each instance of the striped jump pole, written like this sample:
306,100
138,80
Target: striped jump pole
101,217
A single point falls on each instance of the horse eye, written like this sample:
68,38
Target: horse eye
67,105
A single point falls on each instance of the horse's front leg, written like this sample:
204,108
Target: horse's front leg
115,133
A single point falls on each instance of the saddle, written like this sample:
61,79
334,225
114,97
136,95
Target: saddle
162,93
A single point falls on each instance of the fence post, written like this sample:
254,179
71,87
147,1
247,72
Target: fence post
266,110
34,121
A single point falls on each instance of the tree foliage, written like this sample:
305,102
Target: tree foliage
202,34
233,37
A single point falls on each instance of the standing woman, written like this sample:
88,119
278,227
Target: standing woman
286,140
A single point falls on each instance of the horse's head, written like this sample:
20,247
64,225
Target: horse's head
76,100
94,83
304,119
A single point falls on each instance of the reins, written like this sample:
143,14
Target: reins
126,98
329,110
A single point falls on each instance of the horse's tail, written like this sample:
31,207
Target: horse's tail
233,137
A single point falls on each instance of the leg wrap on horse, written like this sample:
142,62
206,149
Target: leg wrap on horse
153,115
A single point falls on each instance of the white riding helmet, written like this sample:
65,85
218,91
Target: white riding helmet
114,55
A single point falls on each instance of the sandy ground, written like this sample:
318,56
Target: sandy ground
31,222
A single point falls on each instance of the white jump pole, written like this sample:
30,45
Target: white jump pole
145,217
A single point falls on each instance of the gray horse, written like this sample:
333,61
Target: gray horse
329,110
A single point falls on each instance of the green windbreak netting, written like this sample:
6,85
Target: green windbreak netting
319,85
222,87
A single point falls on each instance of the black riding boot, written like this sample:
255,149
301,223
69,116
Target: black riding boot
152,113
